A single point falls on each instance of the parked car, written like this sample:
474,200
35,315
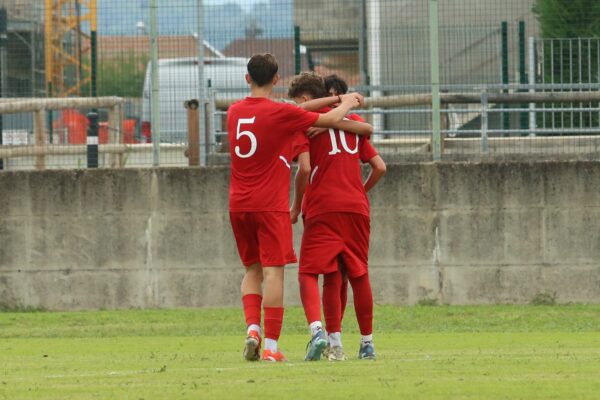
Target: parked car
178,82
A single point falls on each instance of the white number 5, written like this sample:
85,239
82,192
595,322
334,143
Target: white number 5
250,135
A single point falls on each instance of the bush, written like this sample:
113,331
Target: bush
570,61
122,77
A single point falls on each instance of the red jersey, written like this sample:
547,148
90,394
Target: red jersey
300,145
261,133
335,183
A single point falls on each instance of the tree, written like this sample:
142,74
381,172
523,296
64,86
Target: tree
568,18
573,57
122,77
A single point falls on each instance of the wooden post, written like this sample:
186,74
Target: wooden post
120,121
193,114
445,123
22,105
113,133
208,112
39,131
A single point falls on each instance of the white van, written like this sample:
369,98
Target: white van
178,82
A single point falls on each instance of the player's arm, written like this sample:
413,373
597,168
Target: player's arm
317,104
378,169
329,119
360,128
300,184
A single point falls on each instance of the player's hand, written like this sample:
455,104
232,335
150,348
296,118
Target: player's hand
313,131
294,213
361,99
355,99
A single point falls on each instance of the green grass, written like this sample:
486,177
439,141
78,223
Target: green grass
491,352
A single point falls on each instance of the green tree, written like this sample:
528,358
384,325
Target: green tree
571,29
568,18
123,76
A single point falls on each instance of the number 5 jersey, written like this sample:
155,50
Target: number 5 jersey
261,133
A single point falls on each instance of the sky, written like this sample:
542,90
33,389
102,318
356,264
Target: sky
224,20
246,4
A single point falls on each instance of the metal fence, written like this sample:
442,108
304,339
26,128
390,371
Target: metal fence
382,48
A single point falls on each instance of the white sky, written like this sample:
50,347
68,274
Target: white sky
246,4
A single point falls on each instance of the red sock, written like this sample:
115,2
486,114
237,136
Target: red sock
309,294
332,306
252,305
363,303
343,294
273,322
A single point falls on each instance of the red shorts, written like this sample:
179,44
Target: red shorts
263,237
332,237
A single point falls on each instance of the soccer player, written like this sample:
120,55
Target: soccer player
260,132
335,86
337,226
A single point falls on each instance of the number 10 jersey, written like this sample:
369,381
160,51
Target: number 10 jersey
335,183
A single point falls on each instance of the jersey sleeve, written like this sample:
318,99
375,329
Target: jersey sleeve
355,117
366,149
300,145
293,118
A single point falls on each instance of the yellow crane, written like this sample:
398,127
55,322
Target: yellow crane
70,51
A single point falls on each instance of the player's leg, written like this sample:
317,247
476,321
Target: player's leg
343,288
318,255
252,301
363,306
310,297
273,308
276,250
332,283
355,256
244,230
311,301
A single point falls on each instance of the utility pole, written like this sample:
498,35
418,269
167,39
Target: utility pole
374,57
435,80
3,67
201,89
154,95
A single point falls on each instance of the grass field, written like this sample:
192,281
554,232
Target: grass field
491,352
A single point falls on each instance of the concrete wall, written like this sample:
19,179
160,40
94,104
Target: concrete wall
456,233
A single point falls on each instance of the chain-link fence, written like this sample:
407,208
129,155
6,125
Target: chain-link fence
485,49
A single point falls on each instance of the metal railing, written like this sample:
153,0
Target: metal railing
471,128
472,122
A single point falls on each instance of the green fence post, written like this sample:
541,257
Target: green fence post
297,57
523,116
505,116
436,142
94,60
3,43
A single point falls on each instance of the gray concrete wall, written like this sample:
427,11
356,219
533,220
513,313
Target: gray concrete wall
456,233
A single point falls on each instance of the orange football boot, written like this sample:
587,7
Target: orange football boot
252,346
268,355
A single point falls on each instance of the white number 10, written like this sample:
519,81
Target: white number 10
334,147
250,135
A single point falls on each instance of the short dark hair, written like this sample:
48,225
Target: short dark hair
262,68
307,83
336,83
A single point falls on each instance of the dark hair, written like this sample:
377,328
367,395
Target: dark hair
262,68
307,83
336,83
